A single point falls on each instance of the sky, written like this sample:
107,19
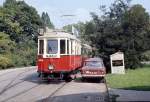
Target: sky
79,9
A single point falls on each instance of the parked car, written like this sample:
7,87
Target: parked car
93,68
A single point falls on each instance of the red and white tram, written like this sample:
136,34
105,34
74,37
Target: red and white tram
59,54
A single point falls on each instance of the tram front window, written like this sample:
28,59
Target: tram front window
52,46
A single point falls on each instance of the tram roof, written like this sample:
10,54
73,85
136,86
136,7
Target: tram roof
87,46
58,34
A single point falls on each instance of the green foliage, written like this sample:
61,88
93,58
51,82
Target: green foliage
89,33
46,20
19,25
25,54
24,58
137,79
68,28
146,56
6,45
20,21
122,28
5,62
80,27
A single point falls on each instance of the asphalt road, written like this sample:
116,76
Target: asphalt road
23,85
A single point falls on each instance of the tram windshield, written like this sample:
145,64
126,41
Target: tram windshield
52,46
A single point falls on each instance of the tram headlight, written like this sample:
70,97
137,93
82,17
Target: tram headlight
50,67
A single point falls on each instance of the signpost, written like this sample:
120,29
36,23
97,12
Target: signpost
117,63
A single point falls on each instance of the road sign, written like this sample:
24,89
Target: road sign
117,63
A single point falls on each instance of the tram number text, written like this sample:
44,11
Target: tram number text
51,55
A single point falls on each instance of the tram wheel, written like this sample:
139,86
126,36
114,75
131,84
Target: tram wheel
83,79
67,78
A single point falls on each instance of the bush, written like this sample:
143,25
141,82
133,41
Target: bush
145,56
5,62
25,54
24,58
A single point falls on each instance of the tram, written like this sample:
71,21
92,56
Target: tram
60,54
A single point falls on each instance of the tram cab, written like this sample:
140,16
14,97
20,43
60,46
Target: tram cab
58,52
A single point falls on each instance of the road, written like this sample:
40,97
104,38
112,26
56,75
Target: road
23,85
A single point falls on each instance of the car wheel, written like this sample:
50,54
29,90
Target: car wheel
102,80
68,79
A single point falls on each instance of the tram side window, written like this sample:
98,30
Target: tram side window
41,46
62,46
52,46
67,46
71,47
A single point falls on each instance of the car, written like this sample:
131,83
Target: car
93,68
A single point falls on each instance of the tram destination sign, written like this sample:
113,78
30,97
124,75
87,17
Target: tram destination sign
52,56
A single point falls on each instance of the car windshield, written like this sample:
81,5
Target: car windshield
94,64
52,46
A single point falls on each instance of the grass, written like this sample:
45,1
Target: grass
138,79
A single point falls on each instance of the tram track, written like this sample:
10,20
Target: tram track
7,73
10,85
12,70
20,93
17,80
50,97
8,78
33,87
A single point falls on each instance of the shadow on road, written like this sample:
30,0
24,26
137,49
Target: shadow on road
81,97
88,80
35,79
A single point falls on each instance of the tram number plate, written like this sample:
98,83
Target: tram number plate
51,55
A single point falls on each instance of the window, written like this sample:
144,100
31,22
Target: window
71,47
52,46
94,64
62,47
67,46
41,46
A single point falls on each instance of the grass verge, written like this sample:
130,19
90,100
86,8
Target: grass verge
138,79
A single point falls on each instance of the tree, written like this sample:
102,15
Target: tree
6,46
136,26
20,21
80,27
46,20
19,25
122,28
7,24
